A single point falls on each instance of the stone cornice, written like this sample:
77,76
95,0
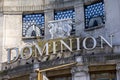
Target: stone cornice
19,7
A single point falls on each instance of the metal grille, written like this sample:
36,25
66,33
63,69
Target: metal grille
93,11
34,22
66,14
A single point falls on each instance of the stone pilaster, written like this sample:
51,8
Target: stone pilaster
118,71
80,73
33,76
49,16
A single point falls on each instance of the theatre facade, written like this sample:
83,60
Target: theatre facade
59,40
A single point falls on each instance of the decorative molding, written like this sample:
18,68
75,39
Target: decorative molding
20,6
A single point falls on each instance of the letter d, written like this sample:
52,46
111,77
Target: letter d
9,55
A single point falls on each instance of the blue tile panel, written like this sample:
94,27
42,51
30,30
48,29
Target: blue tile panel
92,11
65,14
33,19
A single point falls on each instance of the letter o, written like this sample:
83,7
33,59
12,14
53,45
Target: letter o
22,54
94,43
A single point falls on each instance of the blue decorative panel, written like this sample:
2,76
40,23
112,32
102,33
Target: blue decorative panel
65,14
94,14
33,25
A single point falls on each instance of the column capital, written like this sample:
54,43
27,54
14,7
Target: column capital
80,69
80,73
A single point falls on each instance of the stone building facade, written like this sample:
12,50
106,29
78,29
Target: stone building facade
25,22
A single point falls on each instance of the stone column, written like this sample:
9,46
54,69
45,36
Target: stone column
79,18
80,73
118,71
49,16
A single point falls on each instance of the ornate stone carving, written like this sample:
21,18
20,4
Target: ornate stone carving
60,28
79,69
33,31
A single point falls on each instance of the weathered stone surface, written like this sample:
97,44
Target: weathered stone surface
11,29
